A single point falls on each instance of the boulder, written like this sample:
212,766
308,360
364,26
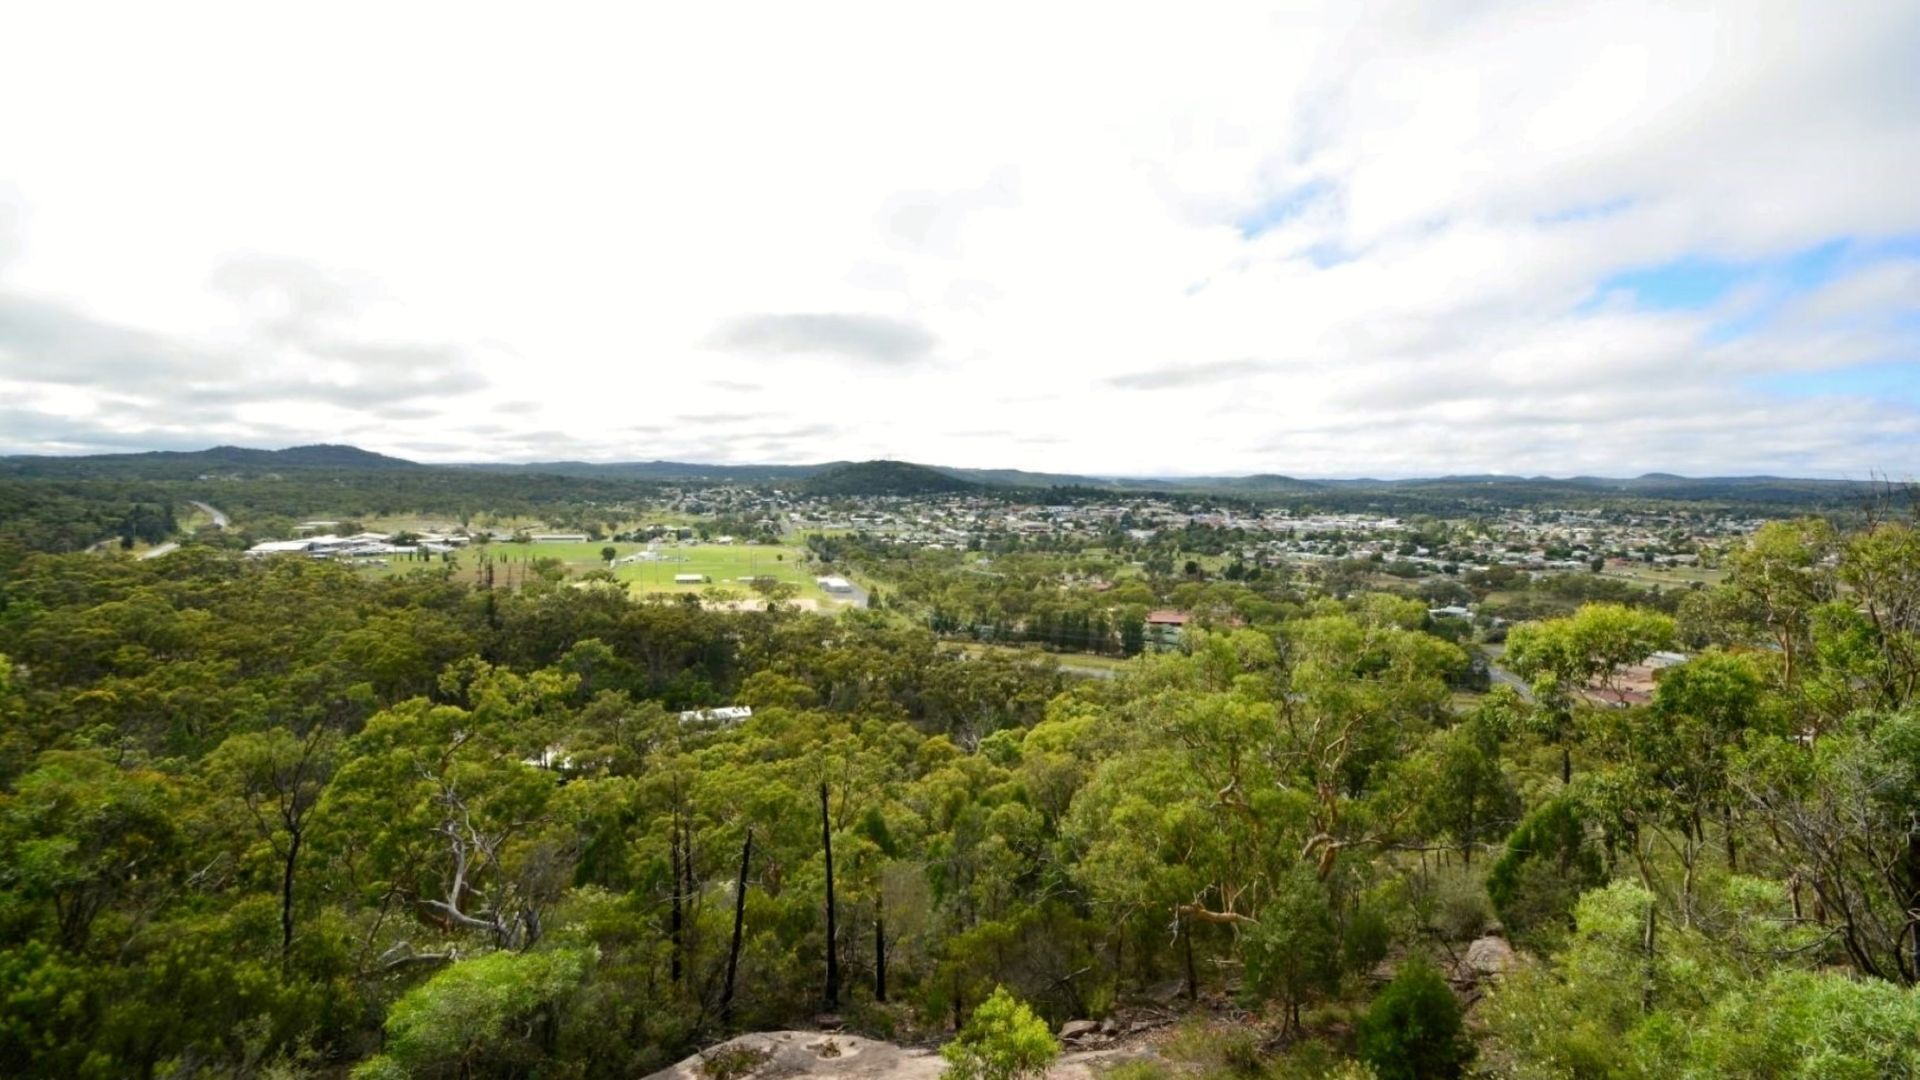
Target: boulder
1489,958
810,1055
1078,1029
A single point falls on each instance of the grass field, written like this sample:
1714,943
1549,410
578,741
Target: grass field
1071,661
723,564
1666,576
726,564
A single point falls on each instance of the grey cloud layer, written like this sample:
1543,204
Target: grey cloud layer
932,222
873,339
301,351
1176,376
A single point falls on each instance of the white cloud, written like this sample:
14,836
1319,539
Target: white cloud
636,231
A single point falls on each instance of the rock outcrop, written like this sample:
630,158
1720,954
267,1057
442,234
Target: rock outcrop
812,1053
1489,958
780,1055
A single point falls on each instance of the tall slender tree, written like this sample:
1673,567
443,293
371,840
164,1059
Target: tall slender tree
833,953
739,920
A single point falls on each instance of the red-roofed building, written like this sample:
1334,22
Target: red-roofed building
1166,627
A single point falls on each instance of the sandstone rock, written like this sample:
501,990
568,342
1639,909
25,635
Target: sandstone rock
1489,957
807,1055
800,1054
1078,1029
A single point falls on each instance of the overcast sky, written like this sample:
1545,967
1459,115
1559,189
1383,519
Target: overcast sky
1362,239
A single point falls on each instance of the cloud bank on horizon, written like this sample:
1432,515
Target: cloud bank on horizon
1351,238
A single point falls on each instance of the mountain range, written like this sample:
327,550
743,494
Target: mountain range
906,478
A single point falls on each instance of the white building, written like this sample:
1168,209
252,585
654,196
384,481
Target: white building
726,714
835,584
290,547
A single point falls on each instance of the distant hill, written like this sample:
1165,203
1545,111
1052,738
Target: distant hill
1020,478
1258,484
660,470
322,455
177,464
886,478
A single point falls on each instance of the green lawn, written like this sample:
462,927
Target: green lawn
723,564
726,564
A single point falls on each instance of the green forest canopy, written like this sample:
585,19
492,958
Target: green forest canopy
274,814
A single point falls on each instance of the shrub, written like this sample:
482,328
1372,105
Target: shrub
1293,952
1002,1040
1366,940
733,1062
1139,1069
1220,1049
1547,865
1413,1030
1806,1024
494,1012
1461,911
1237,1050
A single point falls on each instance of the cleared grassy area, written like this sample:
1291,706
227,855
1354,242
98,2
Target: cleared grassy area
1084,661
724,564
1666,576
414,522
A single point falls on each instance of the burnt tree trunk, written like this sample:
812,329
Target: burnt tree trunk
1193,976
286,896
833,950
673,916
879,944
689,890
739,918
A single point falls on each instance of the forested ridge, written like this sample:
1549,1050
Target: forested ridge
278,818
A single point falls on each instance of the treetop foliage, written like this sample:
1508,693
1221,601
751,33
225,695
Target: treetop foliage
276,816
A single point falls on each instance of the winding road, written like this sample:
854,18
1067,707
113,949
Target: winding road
220,521
1504,677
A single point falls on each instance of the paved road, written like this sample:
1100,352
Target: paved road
162,549
219,519
1507,678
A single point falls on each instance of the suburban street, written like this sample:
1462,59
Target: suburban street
1504,677
219,519
219,522
856,596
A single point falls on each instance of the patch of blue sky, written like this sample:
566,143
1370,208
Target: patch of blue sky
1585,212
1889,381
1696,283
1327,255
1683,284
1273,213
